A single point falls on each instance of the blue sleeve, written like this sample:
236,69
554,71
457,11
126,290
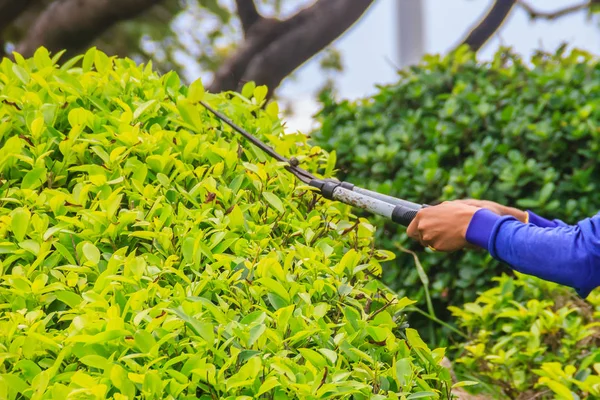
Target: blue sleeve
560,253
543,222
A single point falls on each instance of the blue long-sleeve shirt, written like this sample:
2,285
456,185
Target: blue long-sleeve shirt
551,250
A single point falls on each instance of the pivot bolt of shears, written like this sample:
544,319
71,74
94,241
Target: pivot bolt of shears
294,161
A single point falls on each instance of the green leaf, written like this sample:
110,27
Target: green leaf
91,253
236,218
64,252
464,383
142,108
260,93
42,58
275,287
248,89
196,91
255,333
20,222
144,341
559,389
29,369
404,371
88,59
203,329
421,395
269,384
546,192
21,73
274,201
313,357
95,361
34,179
71,299
414,339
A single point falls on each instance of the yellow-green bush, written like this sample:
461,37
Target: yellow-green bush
147,253
531,338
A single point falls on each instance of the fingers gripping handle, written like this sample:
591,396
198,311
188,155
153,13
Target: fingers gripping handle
404,215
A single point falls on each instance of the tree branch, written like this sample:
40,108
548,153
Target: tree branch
248,14
486,28
11,9
73,24
274,48
229,74
534,14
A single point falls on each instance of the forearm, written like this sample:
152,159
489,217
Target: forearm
568,255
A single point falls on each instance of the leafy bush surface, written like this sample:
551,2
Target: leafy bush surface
532,339
520,133
146,253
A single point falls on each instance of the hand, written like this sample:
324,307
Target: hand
443,227
496,208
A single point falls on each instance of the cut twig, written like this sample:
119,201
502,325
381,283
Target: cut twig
536,14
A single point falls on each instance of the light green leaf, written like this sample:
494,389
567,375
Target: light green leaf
236,218
21,73
203,329
196,91
142,109
91,253
420,395
95,361
20,222
88,59
260,93
274,201
34,178
69,298
403,371
313,357
464,383
274,287
414,339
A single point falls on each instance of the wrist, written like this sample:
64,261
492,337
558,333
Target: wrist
468,217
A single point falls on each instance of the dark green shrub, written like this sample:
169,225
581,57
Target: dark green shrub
145,253
522,134
531,339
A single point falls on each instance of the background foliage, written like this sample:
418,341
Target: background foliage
519,132
146,252
530,338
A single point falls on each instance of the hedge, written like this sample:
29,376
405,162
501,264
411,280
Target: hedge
520,132
529,338
149,253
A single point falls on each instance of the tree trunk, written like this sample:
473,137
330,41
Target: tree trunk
274,49
73,24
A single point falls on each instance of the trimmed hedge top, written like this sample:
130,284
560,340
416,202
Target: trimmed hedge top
522,133
146,253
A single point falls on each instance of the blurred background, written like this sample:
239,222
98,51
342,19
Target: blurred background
296,47
395,33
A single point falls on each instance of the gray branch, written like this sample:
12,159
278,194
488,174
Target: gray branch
276,48
489,25
248,14
11,9
73,24
536,14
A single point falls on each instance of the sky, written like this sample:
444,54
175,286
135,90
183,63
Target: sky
369,47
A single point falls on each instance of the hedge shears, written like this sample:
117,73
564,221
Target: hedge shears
398,210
